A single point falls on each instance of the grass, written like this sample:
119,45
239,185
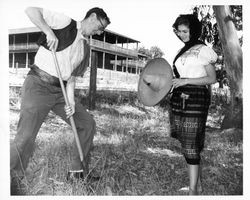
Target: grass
134,155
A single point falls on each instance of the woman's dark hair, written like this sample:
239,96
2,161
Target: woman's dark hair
100,13
192,22
195,27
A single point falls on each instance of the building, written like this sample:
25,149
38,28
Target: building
115,56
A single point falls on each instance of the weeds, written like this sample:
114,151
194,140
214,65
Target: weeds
133,154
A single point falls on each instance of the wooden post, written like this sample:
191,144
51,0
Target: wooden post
27,50
13,60
103,54
16,67
126,68
13,57
27,60
115,66
137,60
103,60
92,80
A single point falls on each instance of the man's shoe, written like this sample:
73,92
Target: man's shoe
92,178
74,176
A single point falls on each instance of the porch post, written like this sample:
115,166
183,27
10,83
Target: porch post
13,55
27,54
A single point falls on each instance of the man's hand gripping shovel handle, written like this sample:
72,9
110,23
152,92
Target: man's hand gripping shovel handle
72,122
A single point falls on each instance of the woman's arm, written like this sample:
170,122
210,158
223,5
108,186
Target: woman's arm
206,80
36,17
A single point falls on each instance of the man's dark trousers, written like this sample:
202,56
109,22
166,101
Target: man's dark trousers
38,98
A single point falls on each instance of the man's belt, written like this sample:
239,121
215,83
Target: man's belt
44,76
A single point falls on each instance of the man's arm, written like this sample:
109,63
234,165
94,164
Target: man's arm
70,90
36,17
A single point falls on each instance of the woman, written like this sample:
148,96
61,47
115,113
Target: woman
194,72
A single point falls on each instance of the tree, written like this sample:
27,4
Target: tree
219,29
144,51
156,52
210,34
153,52
233,62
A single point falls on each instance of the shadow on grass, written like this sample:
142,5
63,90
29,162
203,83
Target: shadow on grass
118,112
134,157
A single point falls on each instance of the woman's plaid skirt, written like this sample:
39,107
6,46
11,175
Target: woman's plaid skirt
189,111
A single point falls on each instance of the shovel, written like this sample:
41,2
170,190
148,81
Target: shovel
71,119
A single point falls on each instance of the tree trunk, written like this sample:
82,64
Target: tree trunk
233,65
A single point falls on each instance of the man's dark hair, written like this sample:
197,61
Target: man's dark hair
100,13
192,22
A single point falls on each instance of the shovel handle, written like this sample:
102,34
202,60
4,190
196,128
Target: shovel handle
71,119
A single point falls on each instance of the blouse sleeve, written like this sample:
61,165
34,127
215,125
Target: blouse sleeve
207,55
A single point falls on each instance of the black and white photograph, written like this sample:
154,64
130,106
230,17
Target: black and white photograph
105,98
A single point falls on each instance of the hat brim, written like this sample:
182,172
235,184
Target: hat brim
155,67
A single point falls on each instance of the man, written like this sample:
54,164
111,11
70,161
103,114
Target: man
41,90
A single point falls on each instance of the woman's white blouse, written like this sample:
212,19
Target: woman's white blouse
192,63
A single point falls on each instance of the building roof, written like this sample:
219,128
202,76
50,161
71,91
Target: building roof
24,30
125,38
121,39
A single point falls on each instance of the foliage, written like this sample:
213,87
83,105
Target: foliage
210,34
153,52
144,51
156,52
237,16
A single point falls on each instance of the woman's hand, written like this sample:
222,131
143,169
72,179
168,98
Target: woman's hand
177,82
69,110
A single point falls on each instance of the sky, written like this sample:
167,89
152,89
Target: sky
149,21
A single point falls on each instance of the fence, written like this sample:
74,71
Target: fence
106,79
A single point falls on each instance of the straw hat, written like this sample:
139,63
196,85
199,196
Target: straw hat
155,81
